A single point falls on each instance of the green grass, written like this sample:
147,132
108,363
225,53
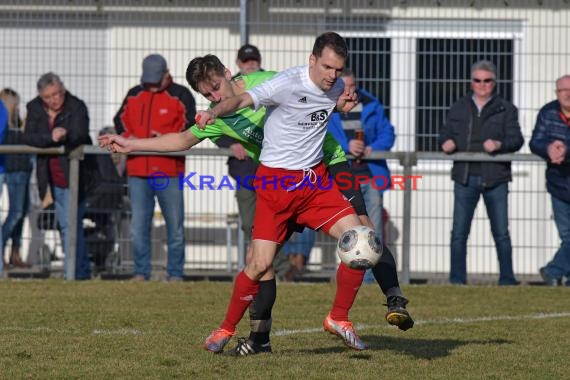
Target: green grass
115,330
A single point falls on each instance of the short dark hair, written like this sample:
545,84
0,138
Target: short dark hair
333,41
201,68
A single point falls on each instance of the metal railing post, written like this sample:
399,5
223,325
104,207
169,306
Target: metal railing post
243,25
408,160
71,251
241,245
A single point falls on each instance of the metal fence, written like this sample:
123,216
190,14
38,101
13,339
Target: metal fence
420,208
413,55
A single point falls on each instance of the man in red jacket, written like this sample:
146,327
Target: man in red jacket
155,107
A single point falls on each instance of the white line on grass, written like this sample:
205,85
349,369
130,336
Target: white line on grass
118,332
41,329
439,322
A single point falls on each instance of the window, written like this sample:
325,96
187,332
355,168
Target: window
369,59
443,76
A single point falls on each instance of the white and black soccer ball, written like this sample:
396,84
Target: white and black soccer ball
359,248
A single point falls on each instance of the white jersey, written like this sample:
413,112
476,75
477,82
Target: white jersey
296,119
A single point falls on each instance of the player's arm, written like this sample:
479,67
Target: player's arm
170,142
223,108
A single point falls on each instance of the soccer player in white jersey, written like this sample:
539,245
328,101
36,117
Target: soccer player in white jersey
299,102
211,78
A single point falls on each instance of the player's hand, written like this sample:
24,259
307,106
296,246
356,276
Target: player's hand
367,151
58,134
448,146
238,151
356,147
491,146
204,118
347,101
115,143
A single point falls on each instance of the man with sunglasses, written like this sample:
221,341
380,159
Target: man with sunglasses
481,122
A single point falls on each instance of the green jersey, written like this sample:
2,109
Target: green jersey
246,126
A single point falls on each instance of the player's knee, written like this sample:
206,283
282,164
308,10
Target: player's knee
259,267
262,266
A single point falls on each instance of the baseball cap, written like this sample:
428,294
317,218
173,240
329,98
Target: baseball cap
154,68
249,52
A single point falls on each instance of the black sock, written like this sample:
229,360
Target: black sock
260,312
385,271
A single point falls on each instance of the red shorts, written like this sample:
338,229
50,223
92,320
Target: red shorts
285,196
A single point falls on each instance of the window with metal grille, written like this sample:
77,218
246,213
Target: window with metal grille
369,59
443,77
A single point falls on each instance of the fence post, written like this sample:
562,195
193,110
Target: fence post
407,160
241,246
243,22
71,251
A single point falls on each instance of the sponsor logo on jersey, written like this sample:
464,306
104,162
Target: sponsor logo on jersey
303,100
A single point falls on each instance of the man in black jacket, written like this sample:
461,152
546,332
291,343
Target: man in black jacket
57,118
481,122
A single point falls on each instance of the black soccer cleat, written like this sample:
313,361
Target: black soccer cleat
246,347
397,314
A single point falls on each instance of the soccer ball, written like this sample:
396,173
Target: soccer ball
359,248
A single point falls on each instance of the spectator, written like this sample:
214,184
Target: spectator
18,172
105,205
550,141
481,122
248,60
152,108
3,127
240,165
369,120
57,118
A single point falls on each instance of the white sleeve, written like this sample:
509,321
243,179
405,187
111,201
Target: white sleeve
273,92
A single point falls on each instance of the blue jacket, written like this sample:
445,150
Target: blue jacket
378,134
549,127
3,129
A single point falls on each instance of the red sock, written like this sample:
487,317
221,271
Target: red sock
348,282
245,290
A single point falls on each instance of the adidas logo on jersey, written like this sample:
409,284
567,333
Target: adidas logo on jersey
303,100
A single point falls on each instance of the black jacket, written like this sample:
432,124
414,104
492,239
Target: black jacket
498,120
75,119
17,162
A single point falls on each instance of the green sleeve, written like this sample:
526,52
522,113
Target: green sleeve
333,153
251,141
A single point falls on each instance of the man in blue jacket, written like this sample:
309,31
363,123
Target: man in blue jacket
550,139
369,118
3,127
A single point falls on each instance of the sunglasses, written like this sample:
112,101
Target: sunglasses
486,80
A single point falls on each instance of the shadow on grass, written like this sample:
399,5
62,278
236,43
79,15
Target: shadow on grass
419,348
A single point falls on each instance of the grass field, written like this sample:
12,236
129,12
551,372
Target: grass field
118,330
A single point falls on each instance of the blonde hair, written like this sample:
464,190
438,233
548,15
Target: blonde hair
11,99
